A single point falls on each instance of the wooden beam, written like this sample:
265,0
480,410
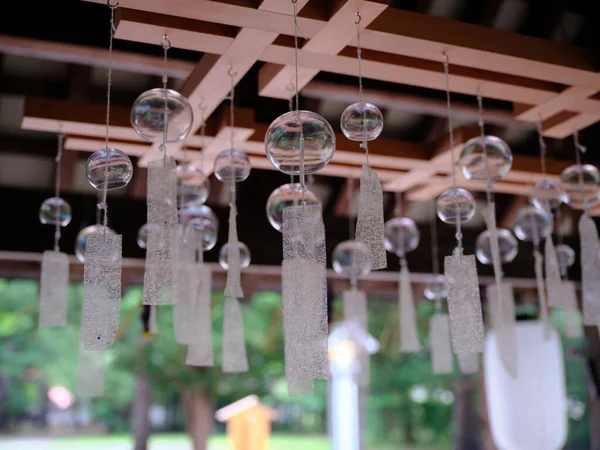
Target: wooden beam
568,126
435,186
555,105
68,165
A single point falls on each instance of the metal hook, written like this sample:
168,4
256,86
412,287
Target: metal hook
166,43
112,6
290,86
445,56
359,18
231,72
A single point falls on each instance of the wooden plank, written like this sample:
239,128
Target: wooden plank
559,103
567,127
435,186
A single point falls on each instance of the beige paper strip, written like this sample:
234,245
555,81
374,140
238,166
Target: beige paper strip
441,349
355,311
153,320
409,337
590,270
91,366
235,359
554,285
200,351
502,311
573,324
54,287
233,287
468,363
539,279
489,216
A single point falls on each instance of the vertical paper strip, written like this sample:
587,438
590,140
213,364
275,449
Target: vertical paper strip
553,279
153,320
101,291
184,311
304,288
369,224
489,216
464,303
409,337
54,287
91,366
441,350
163,234
502,312
590,270
200,350
468,363
573,325
539,279
234,344
233,287
355,311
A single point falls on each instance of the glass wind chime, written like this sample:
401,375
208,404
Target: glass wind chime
363,122
107,169
401,237
300,143
232,166
487,159
457,206
54,282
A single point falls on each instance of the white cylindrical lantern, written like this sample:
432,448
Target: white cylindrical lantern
528,412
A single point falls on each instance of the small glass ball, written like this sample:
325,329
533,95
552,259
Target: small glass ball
401,235
282,142
148,115
532,222
142,236
591,185
436,289
507,245
473,162
548,194
109,166
189,173
284,196
232,165
453,203
82,238
352,259
244,256
195,194
565,256
360,119
55,210
201,219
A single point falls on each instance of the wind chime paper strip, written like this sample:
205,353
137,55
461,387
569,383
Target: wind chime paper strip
464,303
590,270
91,366
539,279
502,309
489,216
54,286
234,344
355,311
573,325
101,291
200,351
554,285
468,363
409,337
304,289
441,350
370,224
233,287
184,312
153,320
163,233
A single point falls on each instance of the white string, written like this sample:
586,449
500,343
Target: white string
202,135
166,45
360,85
488,176
61,138
578,150
349,198
301,141
231,74
435,263
543,148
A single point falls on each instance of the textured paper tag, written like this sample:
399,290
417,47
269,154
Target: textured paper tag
502,312
234,344
233,287
468,363
553,278
54,287
91,366
489,216
590,270
441,350
409,337
200,351
573,325
355,310
539,280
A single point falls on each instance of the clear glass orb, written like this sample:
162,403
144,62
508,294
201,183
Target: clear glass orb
453,203
565,256
507,244
532,222
436,289
232,165
244,256
55,210
360,119
82,238
284,196
472,161
548,194
194,194
189,173
109,166
591,185
401,235
282,142
148,115
142,236
352,259
198,220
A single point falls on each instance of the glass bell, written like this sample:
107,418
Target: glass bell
352,259
82,237
55,210
148,115
284,196
548,194
201,219
507,245
109,166
142,236
195,194
533,224
282,142
472,159
244,256
232,165
591,185
436,289
360,119
565,256
401,235
455,202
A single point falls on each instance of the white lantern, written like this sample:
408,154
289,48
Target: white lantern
528,412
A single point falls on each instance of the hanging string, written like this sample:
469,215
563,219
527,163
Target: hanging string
579,149
543,148
435,263
451,133
489,188
301,140
398,204
360,85
291,90
201,107
349,198
61,139
166,45
232,75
